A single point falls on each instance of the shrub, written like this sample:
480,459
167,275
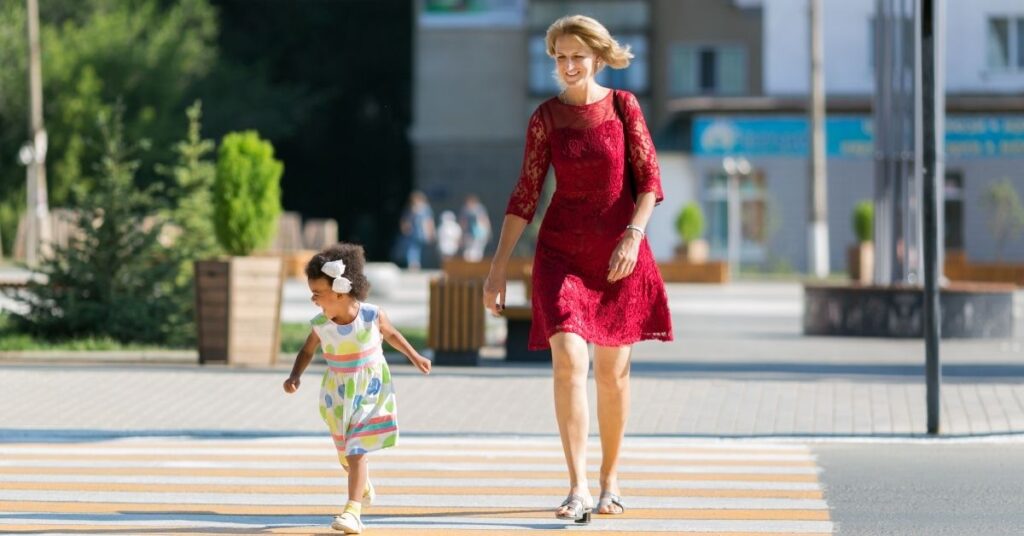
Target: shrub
864,221
690,222
246,193
113,278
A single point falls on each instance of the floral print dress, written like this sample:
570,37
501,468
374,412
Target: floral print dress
357,396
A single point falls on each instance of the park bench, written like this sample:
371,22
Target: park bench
457,322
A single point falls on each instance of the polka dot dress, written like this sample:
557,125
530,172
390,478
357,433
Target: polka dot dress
357,397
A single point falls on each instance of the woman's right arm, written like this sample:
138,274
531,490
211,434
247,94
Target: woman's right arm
521,207
494,288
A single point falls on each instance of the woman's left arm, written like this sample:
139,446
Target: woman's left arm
643,162
624,258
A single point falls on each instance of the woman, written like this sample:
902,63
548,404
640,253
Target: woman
594,277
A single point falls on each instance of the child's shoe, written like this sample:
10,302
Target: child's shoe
348,522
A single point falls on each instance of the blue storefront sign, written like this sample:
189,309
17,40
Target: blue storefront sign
848,136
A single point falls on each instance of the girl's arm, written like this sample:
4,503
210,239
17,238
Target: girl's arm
301,362
398,342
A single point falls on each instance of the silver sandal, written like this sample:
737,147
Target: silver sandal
608,499
579,511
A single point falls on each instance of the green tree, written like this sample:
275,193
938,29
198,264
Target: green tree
1005,214
191,216
192,177
114,278
146,53
247,192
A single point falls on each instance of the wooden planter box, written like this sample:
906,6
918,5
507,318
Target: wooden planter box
682,271
958,268
238,310
457,268
860,261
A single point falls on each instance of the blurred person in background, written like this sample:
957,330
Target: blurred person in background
449,235
476,226
417,229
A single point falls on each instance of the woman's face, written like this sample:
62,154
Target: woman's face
575,62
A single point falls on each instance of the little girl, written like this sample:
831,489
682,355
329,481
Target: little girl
357,398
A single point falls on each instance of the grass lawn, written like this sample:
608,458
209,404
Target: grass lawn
293,334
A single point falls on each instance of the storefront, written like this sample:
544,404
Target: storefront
753,170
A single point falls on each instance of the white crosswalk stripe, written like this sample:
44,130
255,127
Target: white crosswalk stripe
428,485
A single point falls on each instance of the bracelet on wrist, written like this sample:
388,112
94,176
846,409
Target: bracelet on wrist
632,227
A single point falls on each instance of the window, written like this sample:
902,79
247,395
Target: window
634,78
754,222
1006,43
707,70
954,210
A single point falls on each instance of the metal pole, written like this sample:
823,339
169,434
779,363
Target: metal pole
735,215
34,152
881,105
818,260
931,165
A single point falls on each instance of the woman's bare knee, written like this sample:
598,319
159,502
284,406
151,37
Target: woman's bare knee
570,360
611,367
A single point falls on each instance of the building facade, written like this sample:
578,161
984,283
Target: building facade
724,87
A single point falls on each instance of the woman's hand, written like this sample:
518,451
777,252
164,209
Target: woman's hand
291,384
494,291
624,257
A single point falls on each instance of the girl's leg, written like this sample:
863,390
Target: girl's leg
350,520
358,473
611,372
570,363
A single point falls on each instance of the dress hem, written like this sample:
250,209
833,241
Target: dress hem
664,336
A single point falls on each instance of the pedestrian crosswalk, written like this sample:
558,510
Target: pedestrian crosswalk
455,486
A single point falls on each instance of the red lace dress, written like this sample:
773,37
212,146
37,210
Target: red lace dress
587,217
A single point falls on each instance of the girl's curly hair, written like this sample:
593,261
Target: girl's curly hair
355,260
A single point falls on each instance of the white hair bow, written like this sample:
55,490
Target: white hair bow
334,269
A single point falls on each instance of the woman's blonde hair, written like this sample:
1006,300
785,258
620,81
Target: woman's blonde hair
593,34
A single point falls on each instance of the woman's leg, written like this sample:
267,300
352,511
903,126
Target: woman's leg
570,363
413,254
611,372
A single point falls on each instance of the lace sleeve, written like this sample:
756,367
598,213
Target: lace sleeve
536,159
646,174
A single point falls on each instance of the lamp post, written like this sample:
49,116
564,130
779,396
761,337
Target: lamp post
735,168
817,230
33,153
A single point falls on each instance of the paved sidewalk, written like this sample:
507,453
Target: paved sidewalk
739,367
73,400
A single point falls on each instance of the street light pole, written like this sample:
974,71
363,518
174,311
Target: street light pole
818,261
33,153
932,112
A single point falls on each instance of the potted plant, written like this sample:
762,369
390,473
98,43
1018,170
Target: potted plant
690,226
238,299
861,257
